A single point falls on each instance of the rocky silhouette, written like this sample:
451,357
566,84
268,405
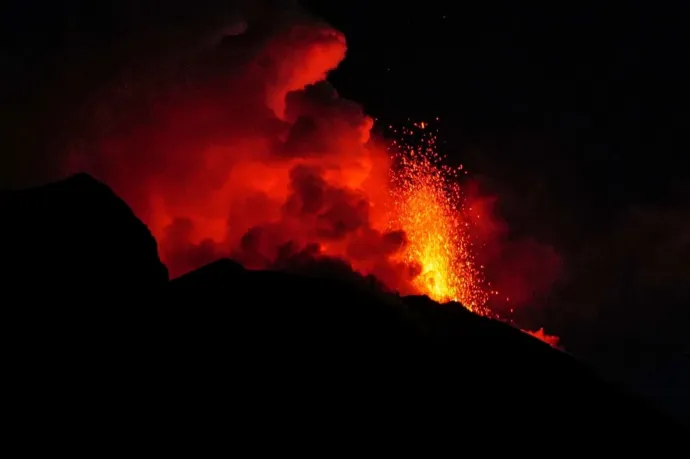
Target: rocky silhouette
77,238
106,354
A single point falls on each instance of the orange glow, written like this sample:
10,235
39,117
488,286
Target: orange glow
551,340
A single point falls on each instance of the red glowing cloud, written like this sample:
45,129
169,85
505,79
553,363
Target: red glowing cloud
245,150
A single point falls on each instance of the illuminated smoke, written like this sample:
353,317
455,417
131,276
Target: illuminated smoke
245,151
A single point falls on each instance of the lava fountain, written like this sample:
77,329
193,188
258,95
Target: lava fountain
429,208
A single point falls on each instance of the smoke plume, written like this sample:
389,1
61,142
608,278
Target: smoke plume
229,142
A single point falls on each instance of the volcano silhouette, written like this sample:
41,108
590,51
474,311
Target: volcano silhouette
106,353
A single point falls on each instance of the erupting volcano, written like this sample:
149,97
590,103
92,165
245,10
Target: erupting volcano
428,207
243,150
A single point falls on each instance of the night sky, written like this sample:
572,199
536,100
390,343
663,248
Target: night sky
574,115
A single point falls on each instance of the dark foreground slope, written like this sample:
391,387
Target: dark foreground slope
225,359
72,236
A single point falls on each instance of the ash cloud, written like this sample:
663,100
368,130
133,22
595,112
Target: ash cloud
214,121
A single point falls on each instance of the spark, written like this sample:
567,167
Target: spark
429,206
